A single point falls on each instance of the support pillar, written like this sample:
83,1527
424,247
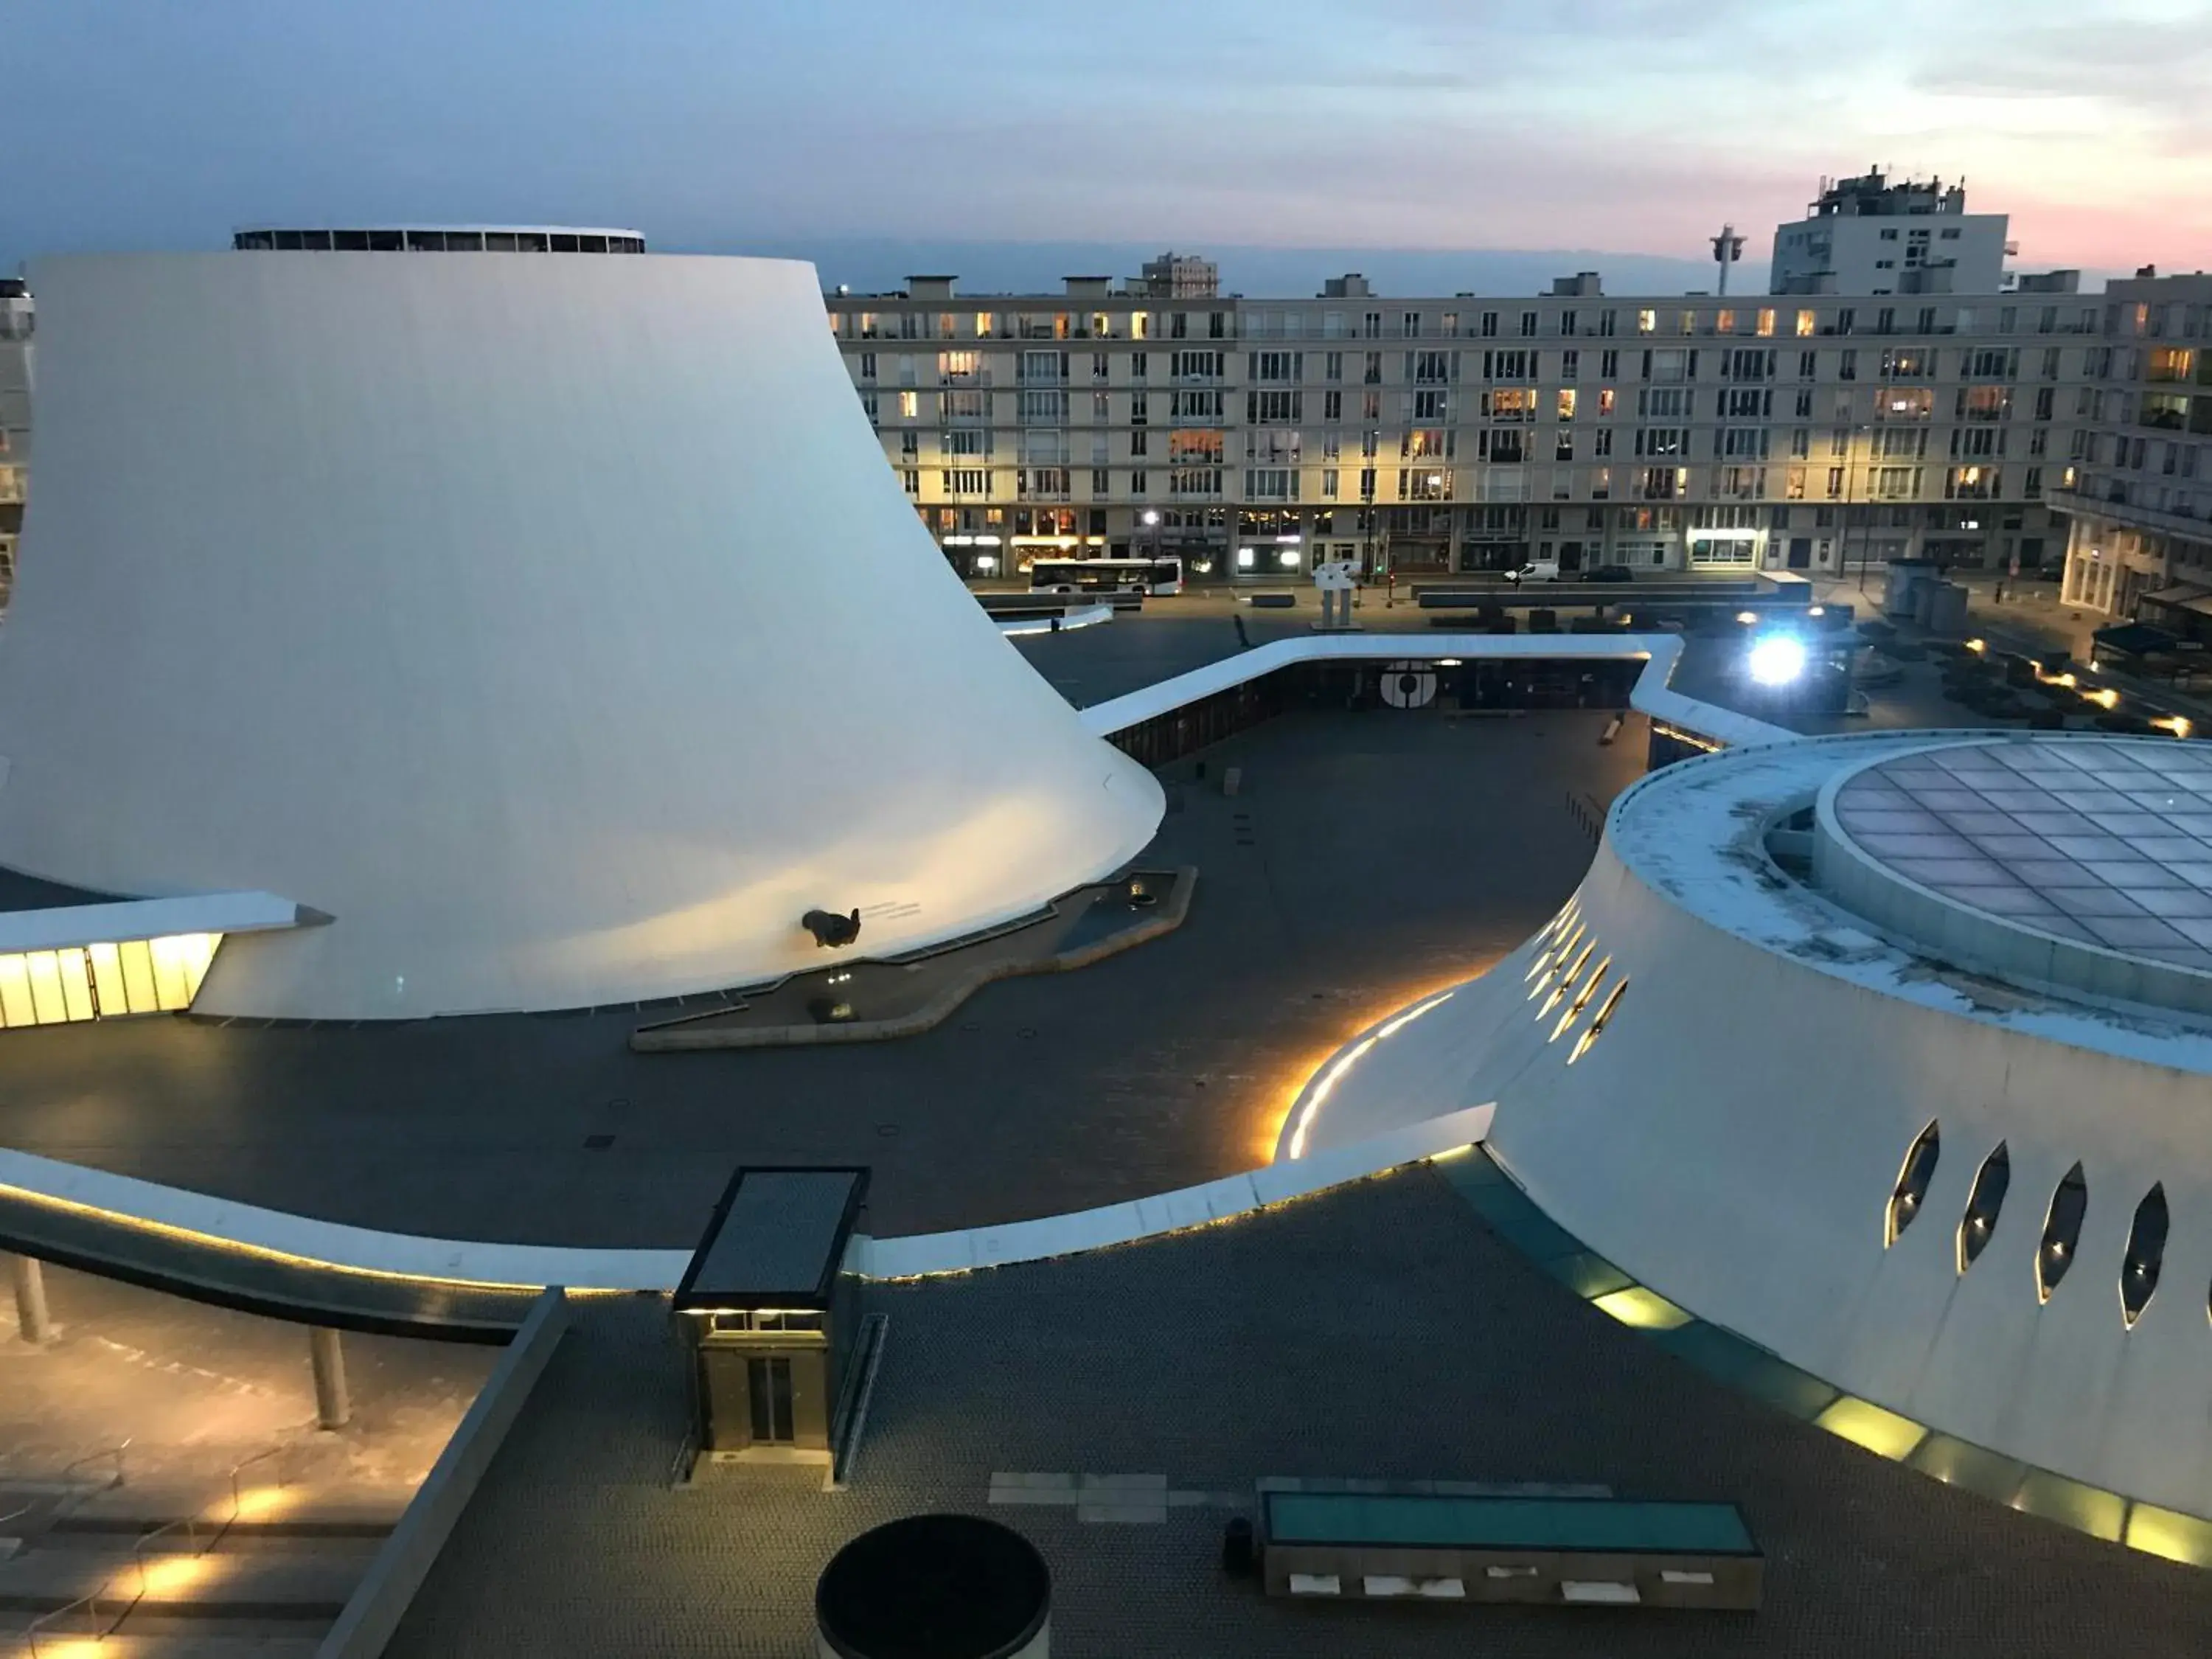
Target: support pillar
333,1410
30,1281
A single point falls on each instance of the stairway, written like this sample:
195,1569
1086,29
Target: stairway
176,1574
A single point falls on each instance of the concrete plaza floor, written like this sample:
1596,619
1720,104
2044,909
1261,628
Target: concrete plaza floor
1376,1331
1368,856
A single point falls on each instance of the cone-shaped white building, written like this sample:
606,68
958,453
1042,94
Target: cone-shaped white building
551,623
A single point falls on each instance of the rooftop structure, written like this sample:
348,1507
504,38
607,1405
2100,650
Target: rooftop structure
438,239
560,722
1181,276
1871,236
1923,1017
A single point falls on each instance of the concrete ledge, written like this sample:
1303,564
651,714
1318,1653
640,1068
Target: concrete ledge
695,1032
929,1254
373,1613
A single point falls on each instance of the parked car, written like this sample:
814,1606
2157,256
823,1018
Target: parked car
1609,573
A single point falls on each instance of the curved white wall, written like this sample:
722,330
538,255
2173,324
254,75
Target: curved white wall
1733,1137
552,622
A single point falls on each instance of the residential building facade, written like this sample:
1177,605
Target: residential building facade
2140,506
1466,434
1868,235
16,314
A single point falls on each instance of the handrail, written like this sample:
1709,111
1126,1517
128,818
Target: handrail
115,1451
193,1525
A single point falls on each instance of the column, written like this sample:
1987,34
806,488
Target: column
30,1282
333,1410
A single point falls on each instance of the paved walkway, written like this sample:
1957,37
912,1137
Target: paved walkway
1118,1407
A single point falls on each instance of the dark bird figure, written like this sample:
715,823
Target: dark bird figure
829,929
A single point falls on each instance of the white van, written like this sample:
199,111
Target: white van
1542,570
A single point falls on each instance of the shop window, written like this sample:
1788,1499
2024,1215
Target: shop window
2061,1232
1911,1191
1982,1204
2146,1252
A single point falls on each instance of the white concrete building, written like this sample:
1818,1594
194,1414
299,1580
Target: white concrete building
1889,1053
1871,236
1427,436
549,623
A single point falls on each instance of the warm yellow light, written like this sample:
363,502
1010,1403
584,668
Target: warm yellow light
165,1577
1977,646
2107,698
2177,1537
1865,1424
259,1502
1317,1094
2177,724
1646,1309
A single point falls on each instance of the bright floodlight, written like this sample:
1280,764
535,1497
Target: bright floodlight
1777,659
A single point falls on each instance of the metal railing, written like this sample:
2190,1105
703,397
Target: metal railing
116,1594
115,1451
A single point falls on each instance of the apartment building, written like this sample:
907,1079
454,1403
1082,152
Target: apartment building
15,317
2141,506
1870,235
1462,434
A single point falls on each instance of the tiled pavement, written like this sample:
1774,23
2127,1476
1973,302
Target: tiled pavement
1379,1331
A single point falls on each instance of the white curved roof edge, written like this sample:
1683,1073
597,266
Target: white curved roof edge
334,1244
1659,653
64,925
1089,617
930,1254
504,230
406,1255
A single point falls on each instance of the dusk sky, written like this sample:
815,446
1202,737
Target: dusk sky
1631,126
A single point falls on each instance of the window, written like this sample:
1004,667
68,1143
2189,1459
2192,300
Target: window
1194,365
1528,323
1566,397
909,443
1647,322
1139,440
2061,1232
1274,406
1140,408
1332,405
1752,365
1489,324
1571,365
1217,325
867,365
1333,366
1372,325
967,480
1194,405
1370,372
1042,406
909,405
1740,442
1665,403
1563,445
1271,483
2146,1252
1279,366
1765,323
1509,365
1434,405
1847,365
1908,365
1983,1205
1601,442
1037,368
1428,367
1669,365
1608,366
1806,324
956,365
1598,1023
1745,403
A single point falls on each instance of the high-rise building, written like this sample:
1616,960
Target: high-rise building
1456,433
1181,276
1868,236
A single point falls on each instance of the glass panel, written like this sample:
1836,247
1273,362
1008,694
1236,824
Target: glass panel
2061,1232
1983,1205
137,980
76,984
107,979
15,992
180,962
45,976
1905,1198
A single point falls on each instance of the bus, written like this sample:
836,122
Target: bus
1154,576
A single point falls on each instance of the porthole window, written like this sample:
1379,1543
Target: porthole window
2145,1251
1911,1189
1982,1204
2061,1232
1597,1025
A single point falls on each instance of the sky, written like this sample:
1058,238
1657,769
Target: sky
865,132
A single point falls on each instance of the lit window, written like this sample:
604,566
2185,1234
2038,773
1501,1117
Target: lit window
1647,322
1581,1002
1566,982
909,405
1597,1025
2146,1252
1982,1204
1805,322
2061,1232
1911,1187
1766,322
